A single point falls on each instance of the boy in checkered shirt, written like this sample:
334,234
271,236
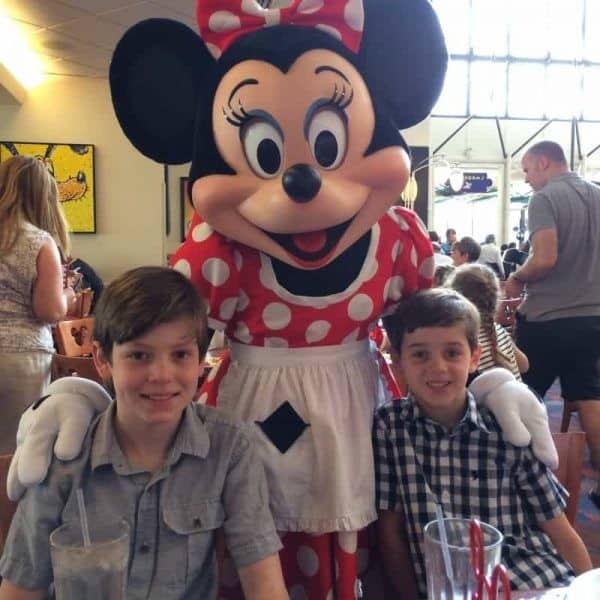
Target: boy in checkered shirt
438,446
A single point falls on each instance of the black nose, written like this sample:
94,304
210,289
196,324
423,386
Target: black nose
301,182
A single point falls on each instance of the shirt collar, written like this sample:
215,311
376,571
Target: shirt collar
471,417
191,438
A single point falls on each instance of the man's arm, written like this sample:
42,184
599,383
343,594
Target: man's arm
8,591
395,554
263,580
568,543
540,262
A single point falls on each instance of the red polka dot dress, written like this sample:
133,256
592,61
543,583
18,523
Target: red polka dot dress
302,370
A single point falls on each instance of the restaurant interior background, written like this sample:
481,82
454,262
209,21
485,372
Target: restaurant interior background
520,72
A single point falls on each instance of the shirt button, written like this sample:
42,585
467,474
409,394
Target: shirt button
145,548
197,521
445,496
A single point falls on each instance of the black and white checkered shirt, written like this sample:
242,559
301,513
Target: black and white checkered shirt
472,472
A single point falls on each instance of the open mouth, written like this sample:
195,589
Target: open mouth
311,246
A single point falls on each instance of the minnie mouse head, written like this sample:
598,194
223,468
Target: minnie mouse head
293,130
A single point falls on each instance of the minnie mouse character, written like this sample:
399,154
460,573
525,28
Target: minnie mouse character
290,115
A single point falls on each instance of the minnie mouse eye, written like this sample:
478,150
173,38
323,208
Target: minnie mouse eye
263,147
327,136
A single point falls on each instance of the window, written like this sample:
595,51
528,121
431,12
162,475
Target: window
533,59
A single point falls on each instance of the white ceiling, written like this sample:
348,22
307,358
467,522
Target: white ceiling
77,37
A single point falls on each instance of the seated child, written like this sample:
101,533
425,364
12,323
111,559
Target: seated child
479,284
175,471
438,446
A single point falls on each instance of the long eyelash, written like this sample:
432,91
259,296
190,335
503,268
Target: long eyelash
339,98
237,119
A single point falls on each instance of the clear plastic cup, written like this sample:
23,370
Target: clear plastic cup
464,583
94,572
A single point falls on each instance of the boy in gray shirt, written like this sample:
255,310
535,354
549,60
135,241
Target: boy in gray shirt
175,471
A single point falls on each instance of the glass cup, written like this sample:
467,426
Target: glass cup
439,587
94,572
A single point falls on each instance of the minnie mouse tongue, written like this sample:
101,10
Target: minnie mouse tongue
310,242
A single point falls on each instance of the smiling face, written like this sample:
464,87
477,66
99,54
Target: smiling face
303,189
154,376
435,362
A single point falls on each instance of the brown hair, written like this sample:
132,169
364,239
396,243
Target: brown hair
142,298
479,284
28,193
467,245
436,307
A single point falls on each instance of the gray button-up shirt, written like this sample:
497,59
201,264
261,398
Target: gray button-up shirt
212,478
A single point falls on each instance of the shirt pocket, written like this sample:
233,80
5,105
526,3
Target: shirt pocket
195,525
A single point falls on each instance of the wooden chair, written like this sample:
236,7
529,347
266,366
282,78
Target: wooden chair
507,312
570,447
568,410
7,508
74,336
81,366
83,306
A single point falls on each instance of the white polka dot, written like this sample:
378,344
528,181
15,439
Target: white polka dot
351,337
360,307
396,287
330,30
310,6
276,342
228,573
213,373
276,315
317,331
397,250
242,333
413,256
237,259
386,289
427,267
308,561
243,300
347,541
227,308
362,560
216,271
223,20
202,232
371,270
214,50
203,397
297,592
184,267
266,277
354,14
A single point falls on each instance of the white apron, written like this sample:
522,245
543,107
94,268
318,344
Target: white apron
321,477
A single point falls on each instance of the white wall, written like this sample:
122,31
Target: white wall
129,187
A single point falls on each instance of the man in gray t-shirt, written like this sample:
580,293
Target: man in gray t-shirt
559,321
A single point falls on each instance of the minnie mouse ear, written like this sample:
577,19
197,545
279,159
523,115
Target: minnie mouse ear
403,57
155,76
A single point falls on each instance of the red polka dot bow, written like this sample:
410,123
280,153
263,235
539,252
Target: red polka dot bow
223,21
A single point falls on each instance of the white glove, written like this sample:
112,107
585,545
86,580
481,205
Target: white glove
64,415
522,417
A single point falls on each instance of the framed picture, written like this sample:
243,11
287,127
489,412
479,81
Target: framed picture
73,167
186,208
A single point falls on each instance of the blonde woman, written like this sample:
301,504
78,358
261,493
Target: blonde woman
479,284
33,233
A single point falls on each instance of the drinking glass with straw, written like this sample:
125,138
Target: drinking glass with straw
439,514
85,531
